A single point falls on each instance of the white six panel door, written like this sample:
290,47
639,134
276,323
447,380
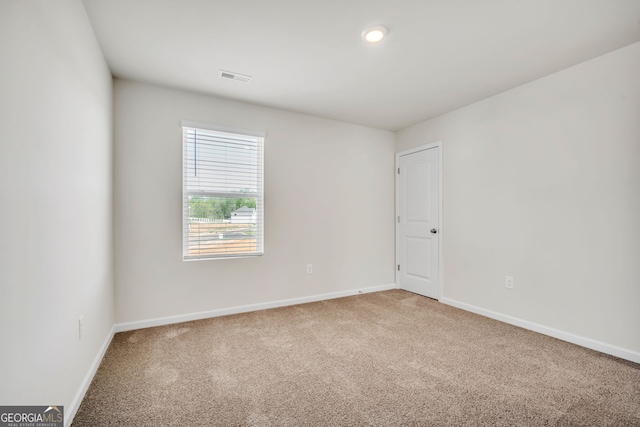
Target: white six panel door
418,222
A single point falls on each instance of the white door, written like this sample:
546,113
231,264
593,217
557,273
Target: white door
418,234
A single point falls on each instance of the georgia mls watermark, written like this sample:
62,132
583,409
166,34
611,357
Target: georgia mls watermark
31,416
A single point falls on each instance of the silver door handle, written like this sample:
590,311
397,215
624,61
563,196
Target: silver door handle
434,230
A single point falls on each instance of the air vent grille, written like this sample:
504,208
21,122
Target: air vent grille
234,76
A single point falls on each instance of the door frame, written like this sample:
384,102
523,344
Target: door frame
437,144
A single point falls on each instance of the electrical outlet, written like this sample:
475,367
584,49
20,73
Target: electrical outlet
80,326
309,268
508,282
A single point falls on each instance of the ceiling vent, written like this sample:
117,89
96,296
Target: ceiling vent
234,76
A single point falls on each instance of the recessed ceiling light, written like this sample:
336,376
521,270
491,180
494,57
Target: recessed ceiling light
374,34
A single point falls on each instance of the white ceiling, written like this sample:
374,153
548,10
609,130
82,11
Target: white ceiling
308,55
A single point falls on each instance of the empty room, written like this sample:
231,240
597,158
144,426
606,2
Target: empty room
320,213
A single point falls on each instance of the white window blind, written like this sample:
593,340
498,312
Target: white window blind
222,194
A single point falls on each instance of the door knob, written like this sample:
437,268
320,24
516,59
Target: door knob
434,230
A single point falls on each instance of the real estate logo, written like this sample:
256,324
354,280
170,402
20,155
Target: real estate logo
32,416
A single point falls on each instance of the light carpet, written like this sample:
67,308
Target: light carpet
383,359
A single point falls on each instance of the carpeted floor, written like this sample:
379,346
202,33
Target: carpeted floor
384,359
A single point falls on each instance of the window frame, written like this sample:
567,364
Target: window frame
248,135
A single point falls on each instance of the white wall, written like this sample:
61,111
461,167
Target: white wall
543,183
56,189
328,201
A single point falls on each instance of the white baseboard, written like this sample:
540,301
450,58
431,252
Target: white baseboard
86,382
130,326
613,350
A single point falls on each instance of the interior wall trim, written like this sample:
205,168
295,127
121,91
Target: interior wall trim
602,347
160,321
70,413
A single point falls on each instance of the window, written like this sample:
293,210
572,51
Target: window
222,193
